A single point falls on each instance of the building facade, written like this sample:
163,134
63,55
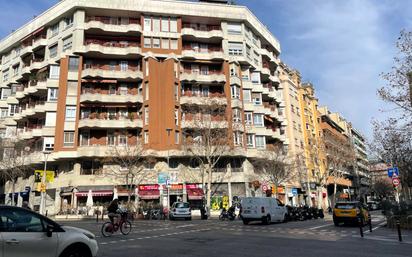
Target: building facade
88,76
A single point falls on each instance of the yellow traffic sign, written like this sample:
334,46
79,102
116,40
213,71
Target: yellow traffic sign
38,175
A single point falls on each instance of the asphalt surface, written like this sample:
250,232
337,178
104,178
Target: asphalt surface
231,238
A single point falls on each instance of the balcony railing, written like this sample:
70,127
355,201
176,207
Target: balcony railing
112,68
200,94
118,44
203,50
107,92
202,117
200,72
202,27
113,20
108,116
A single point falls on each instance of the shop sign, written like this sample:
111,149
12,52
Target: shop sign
162,177
148,187
192,186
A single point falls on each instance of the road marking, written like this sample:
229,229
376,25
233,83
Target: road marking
184,226
326,225
384,239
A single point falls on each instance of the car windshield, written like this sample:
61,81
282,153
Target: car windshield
345,206
182,205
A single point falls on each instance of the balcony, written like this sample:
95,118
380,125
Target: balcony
203,54
272,58
94,96
203,77
102,71
112,24
197,121
235,80
39,42
103,120
28,49
207,31
190,98
111,48
35,131
37,64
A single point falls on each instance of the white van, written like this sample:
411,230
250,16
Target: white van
265,209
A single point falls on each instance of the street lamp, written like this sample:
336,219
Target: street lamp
43,184
168,130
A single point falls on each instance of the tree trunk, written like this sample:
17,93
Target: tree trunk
13,188
209,186
335,186
320,198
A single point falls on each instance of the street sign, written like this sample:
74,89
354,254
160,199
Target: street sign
392,171
396,181
38,175
162,177
167,182
264,188
294,191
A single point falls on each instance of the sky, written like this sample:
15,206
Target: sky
341,46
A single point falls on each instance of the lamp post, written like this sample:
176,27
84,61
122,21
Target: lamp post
168,130
43,183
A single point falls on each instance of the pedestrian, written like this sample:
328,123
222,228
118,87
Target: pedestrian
25,205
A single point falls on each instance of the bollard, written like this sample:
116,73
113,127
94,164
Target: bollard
97,217
398,226
46,212
370,222
360,226
102,215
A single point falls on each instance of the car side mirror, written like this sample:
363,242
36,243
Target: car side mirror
49,230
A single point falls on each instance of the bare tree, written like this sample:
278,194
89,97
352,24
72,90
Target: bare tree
12,162
275,167
382,188
207,139
127,164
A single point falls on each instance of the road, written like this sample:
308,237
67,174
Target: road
231,238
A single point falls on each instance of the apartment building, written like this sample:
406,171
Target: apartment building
86,76
290,81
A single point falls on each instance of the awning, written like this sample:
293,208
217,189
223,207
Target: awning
95,193
149,194
195,193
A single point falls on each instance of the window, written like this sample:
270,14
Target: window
234,28
146,115
146,91
237,115
68,139
3,112
54,72
147,24
156,42
84,138
173,44
173,25
248,118
247,96
13,109
165,24
72,88
255,77
260,142
257,98
70,113
165,43
235,48
68,22
176,137
111,140
205,91
122,139
237,138
258,119
156,24
53,51
173,164
146,137
52,94
235,91
123,89
250,140
176,92
5,92
20,220
5,75
124,65
112,89
16,70
54,30
67,43
147,42
177,117
73,63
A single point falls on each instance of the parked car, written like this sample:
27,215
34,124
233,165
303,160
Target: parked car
180,210
350,212
24,232
265,209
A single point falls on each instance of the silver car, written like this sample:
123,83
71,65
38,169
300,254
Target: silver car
180,210
25,233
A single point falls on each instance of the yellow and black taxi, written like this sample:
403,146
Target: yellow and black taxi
350,212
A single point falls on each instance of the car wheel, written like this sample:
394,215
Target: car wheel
77,251
245,221
190,218
336,223
285,219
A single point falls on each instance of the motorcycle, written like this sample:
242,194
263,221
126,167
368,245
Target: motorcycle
228,214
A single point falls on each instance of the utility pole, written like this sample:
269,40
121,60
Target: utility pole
168,130
43,184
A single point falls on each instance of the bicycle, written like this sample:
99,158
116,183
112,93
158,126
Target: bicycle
125,226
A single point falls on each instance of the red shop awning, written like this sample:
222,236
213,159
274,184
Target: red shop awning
149,194
195,193
95,193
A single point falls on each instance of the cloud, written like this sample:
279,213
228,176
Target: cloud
340,46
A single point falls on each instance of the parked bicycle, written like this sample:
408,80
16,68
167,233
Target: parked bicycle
123,224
